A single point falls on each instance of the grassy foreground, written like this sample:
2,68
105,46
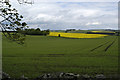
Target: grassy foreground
45,54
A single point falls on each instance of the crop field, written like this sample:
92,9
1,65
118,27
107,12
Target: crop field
47,54
103,31
76,35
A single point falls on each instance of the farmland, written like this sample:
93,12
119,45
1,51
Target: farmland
46,54
76,35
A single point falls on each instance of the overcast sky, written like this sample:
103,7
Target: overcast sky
70,15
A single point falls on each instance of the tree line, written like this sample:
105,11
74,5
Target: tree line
35,31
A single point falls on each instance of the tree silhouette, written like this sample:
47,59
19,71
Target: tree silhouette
11,22
26,1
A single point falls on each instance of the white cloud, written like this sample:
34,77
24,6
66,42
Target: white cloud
93,23
85,12
46,17
79,15
73,0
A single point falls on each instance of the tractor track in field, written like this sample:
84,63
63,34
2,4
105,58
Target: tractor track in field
110,45
105,44
99,46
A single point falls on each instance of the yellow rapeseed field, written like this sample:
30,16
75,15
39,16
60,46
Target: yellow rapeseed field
76,35
103,31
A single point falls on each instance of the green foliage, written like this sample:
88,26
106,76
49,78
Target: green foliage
38,29
35,32
11,21
24,24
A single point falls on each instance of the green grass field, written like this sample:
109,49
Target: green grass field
45,54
